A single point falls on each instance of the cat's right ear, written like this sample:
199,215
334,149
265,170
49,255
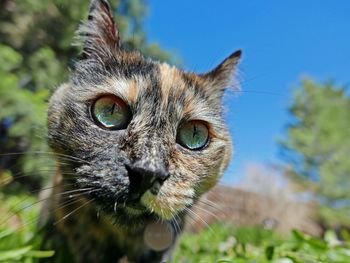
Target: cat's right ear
222,76
99,34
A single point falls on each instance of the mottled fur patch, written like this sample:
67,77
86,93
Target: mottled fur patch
161,98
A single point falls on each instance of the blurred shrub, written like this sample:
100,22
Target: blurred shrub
24,112
19,239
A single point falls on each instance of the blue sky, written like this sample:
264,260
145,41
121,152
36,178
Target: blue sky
281,42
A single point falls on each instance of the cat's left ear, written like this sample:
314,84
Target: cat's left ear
221,77
99,33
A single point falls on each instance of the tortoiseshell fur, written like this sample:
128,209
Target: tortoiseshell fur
100,226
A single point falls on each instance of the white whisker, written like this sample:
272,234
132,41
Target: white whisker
69,214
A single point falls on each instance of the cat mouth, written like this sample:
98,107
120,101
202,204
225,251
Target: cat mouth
131,207
135,210
135,207
132,215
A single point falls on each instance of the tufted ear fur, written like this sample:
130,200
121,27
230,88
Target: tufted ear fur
99,33
221,77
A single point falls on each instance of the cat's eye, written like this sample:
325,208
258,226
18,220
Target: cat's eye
193,135
111,112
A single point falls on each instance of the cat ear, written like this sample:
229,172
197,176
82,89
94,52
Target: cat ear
99,33
221,77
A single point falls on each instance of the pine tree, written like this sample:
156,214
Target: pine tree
317,147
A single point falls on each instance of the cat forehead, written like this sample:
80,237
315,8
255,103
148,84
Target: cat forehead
163,81
159,84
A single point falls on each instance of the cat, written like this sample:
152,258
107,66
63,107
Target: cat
137,143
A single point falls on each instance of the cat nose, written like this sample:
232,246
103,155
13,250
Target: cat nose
144,176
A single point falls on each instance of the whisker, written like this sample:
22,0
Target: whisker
73,191
21,175
176,225
209,212
22,209
115,207
210,204
69,214
36,191
258,92
63,205
47,153
196,216
13,213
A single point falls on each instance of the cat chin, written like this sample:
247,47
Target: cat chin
165,207
132,219
135,217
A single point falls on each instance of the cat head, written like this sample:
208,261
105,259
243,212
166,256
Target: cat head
148,138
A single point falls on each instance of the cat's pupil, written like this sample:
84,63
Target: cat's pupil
112,109
194,131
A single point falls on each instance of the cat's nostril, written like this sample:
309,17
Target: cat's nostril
143,178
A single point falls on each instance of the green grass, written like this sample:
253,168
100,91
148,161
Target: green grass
20,242
248,245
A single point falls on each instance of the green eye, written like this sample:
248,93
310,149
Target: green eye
193,135
111,112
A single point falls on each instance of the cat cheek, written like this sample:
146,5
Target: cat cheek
160,207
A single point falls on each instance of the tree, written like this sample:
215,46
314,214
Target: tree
43,32
316,147
35,56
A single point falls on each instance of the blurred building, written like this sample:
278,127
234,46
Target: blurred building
242,208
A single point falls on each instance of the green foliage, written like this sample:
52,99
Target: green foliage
42,32
19,240
317,147
26,109
253,245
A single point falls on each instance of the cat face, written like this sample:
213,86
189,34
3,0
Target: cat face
150,138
